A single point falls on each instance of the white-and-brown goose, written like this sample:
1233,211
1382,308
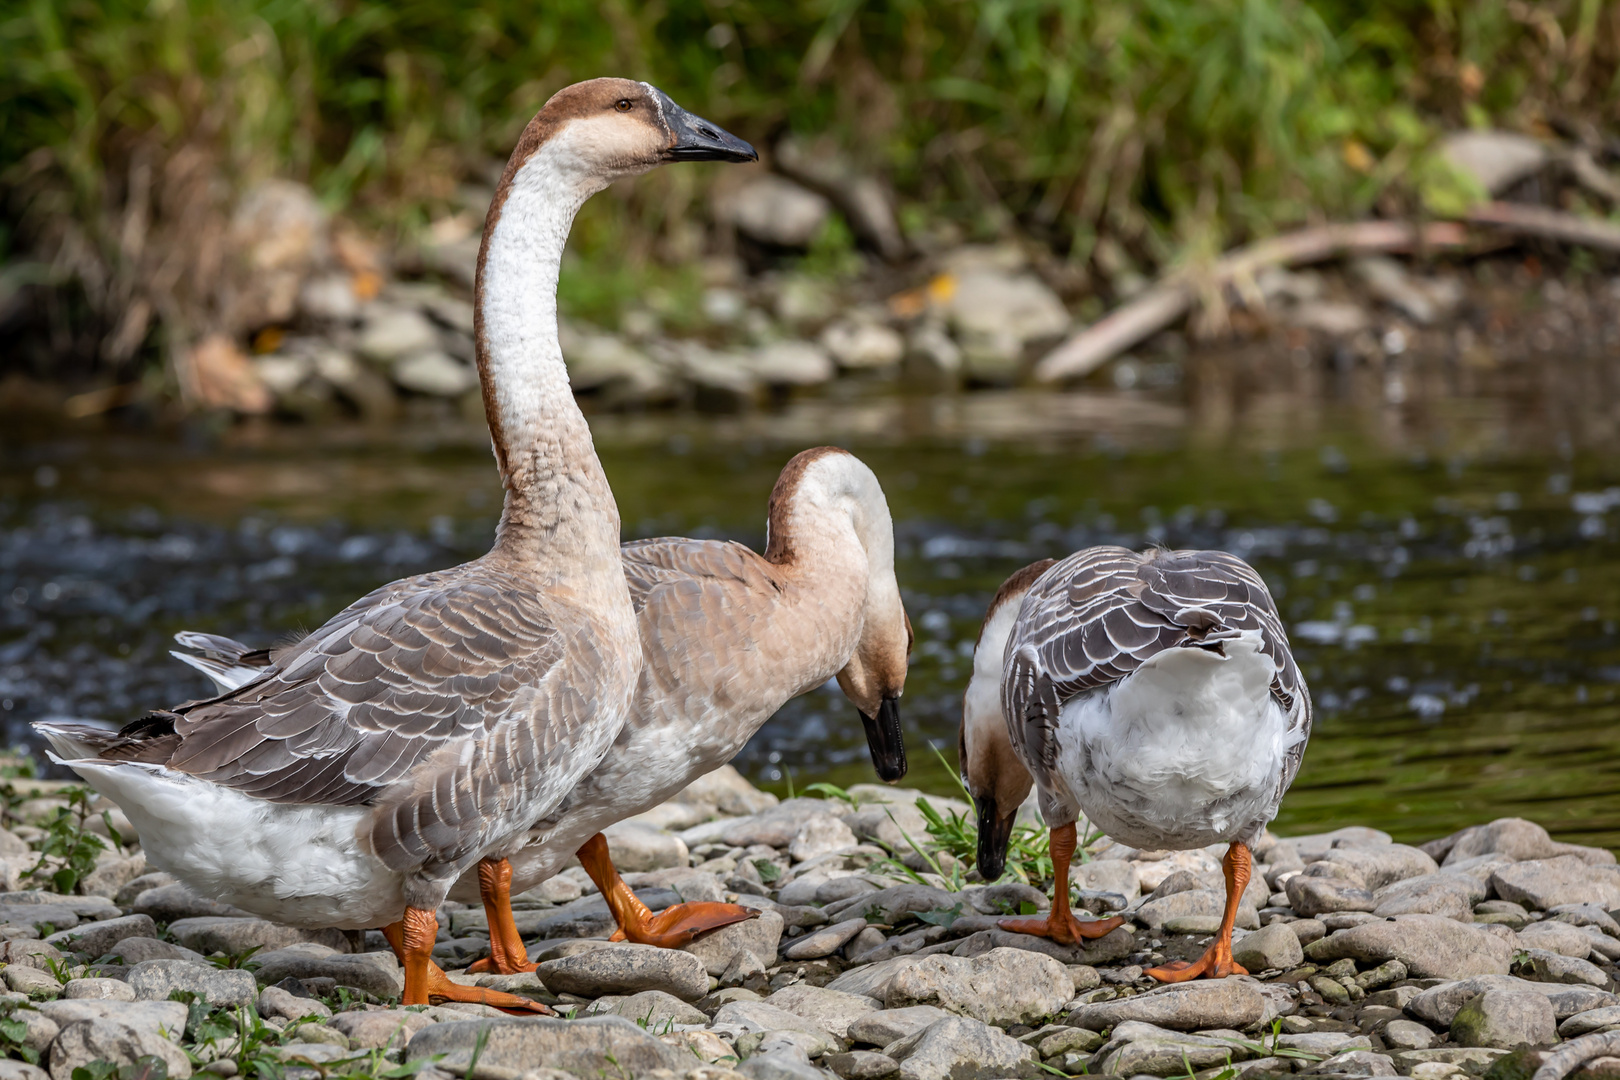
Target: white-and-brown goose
431,723
1155,694
728,636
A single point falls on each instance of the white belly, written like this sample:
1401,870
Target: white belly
1186,751
299,865
653,761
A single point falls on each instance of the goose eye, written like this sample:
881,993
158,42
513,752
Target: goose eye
624,105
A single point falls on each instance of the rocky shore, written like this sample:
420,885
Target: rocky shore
317,320
873,956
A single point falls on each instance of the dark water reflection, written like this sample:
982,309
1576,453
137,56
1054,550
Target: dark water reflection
1449,573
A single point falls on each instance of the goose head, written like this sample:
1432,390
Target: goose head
828,508
874,679
991,770
601,130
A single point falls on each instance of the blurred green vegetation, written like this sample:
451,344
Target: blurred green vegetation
1166,128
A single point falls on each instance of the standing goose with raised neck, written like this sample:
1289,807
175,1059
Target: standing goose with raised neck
729,636
1154,693
429,724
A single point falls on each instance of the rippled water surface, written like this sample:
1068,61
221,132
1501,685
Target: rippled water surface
1452,587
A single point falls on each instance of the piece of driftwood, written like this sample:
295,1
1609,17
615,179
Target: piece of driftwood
1173,297
1544,224
1565,1058
1162,304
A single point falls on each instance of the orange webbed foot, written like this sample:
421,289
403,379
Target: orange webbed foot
1216,963
440,988
1063,927
676,926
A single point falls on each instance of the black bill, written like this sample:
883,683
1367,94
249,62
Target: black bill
696,139
884,741
994,833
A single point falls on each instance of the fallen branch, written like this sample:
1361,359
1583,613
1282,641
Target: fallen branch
1167,301
1562,1060
1170,299
1545,224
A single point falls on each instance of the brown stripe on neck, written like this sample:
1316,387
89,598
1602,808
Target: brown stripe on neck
779,548
1016,585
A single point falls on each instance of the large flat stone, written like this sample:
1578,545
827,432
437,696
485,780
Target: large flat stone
1504,1019
960,1048
1190,1006
1192,902
1515,838
1384,864
1438,1005
740,1017
155,980
133,950
1452,895
1540,884
891,1025
96,938
717,948
1312,896
233,936
627,969
872,980
1431,947
596,1046
171,903
1004,986
831,1010
1136,1048
115,1042
374,972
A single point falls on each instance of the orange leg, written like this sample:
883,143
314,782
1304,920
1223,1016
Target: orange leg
1217,962
1060,924
669,929
507,954
426,983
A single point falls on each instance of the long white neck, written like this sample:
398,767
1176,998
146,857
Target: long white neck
559,515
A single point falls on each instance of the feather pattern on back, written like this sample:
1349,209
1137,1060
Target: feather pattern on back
1098,615
440,700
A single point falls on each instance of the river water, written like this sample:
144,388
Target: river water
1451,580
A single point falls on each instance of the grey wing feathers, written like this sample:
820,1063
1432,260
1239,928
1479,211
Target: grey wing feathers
441,664
696,602
670,560
1096,616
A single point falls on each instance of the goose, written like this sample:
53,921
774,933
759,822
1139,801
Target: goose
728,637
429,724
1154,693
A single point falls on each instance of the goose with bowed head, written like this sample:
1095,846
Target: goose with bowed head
1155,694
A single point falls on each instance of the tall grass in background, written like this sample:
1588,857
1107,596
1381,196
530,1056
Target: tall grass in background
1125,132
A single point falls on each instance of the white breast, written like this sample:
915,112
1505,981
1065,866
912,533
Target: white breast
1186,751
